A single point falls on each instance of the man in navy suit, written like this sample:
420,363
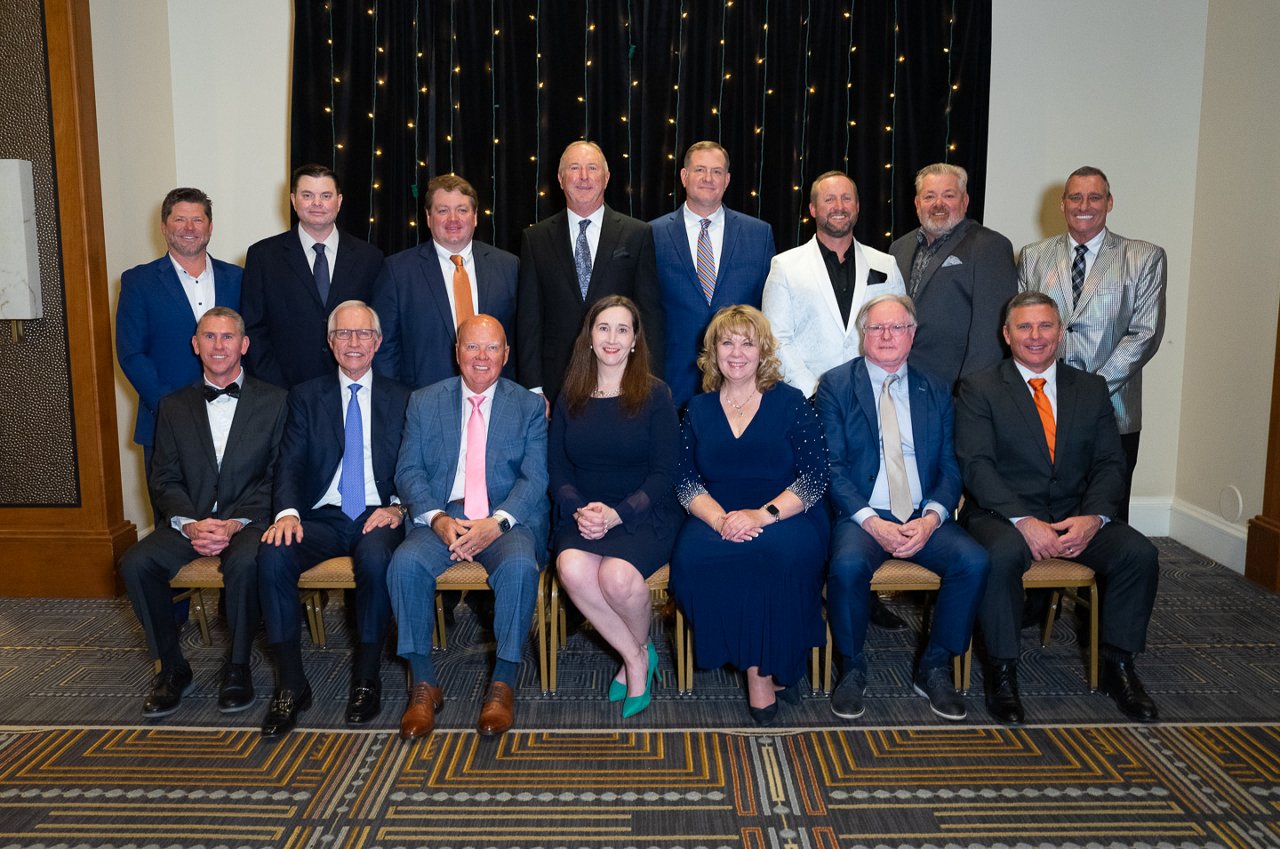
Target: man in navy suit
571,260
895,483
708,257
160,303
473,471
215,452
293,281
1044,469
335,497
424,293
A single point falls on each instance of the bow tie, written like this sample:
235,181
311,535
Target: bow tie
211,393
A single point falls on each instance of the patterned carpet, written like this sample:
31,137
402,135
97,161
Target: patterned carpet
79,767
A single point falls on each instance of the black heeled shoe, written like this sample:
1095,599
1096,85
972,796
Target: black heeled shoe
763,716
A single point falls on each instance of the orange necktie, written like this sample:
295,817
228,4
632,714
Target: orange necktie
461,290
1045,409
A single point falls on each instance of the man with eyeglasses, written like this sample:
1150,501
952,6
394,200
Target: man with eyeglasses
895,482
335,496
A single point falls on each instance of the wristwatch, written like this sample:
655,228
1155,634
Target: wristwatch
402,507
773,511
504,524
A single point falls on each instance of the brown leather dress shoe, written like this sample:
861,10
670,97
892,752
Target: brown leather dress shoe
420,717
499,710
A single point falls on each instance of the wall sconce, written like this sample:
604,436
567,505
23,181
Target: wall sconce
19,247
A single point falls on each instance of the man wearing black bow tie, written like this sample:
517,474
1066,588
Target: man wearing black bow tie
211,474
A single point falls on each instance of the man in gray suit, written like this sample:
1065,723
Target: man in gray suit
211,475
1110,291
960,275
473,472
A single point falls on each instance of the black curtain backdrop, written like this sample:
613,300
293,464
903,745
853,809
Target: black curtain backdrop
392,92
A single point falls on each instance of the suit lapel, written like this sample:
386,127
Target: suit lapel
935,262
816,275
331,410
450,425
1020,395
296,261
171,285
199,410
1100,271
433,283
732,232
558,232
866,400
610,231
922,416
676,232
1067,404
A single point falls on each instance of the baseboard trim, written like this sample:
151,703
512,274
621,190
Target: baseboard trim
1150,515
1208,533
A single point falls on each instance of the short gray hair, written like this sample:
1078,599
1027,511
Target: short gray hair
943,169
354,304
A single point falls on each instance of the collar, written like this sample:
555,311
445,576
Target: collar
1091,246
239,378
694,220
330,241
595,218
444,253
1050,374
365,381
467,394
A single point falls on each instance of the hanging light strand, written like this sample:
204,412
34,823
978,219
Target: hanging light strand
764,110
373,124
947,146
802,154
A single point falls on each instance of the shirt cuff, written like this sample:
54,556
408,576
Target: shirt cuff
178,521
863,515
503,514
935,507
288,511
427,518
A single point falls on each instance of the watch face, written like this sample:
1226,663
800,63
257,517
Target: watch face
504,524
773,511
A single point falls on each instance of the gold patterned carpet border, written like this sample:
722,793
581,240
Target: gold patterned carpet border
1194,785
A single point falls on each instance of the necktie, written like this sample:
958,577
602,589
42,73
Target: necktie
1045,409
895,465
351,479
212,393
475,498
462,305
321,272
706,261
582,257
1077,274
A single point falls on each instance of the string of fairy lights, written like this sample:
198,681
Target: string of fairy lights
429,159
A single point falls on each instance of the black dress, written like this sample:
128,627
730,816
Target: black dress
626,462
754,603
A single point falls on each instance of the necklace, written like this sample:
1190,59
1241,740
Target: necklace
606,393
740,409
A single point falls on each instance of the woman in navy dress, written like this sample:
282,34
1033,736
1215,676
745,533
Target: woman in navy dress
747,569
611,456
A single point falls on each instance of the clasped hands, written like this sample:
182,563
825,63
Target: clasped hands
288,529
906,539
210,536
1058,539
465,537
742,525
596,519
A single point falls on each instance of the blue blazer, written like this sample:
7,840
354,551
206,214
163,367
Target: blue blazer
287,323
852,423
515,452
314,440
154,326
412,301
740,275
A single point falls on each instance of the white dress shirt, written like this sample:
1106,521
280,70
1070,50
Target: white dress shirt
1091,249
200,290
458,491
221,412
447,267
330,249
593,232
693,228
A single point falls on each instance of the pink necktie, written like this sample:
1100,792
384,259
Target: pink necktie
475,500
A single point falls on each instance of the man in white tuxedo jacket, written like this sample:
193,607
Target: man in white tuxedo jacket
814,291
1110,291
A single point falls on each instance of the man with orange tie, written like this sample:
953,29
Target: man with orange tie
1042,463
425,292
473,474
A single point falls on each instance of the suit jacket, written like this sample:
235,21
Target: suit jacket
851,420
154,327
515,459
1117,326
741,270
550,308
412,301
185,477
314,440
801,306
960,299
286,322
1005,459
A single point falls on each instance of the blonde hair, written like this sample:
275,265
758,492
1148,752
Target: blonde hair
745,321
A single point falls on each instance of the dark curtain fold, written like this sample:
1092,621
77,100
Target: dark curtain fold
392,92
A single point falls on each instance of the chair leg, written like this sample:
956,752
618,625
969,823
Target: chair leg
1054,601
684,654
542,631
440,631
557,634
1093,635
828,663
202,617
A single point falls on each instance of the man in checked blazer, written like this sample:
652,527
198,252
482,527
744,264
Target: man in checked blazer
1110,291
473,474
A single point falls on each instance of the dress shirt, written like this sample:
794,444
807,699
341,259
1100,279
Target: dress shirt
221,411
715,231
924,253
1091,249
843,277
593,232
447,268
330,249
901,396
199,290
363,398
459,489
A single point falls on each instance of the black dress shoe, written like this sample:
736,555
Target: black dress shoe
167,690
1120,681
236,692
1003,701
882,617
282,713
763,716
364,702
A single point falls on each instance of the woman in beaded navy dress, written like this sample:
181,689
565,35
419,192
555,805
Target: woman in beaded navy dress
611,456
747,569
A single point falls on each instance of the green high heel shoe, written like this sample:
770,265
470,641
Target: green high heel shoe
632,705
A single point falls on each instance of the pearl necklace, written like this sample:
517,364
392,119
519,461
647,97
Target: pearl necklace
741,409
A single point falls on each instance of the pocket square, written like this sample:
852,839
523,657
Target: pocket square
621,253
951,260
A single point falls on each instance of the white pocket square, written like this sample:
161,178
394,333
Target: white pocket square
951,260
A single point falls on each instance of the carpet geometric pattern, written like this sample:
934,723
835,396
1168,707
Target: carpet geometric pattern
963,786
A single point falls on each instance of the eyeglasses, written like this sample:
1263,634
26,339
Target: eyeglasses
364,334
895,330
